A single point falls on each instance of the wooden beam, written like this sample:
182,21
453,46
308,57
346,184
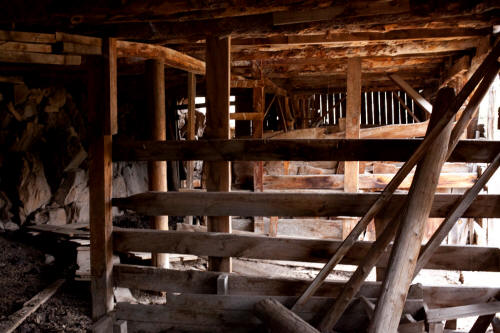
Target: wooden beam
457,211
171,57
24,57
407,245
102,93
353,119
254,116
366,181
277,318
157,170
422,102
282,248
27,37
288,204
472,151
437,315
13,321
218,78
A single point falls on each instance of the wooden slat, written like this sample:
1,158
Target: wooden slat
218,313
197,282
353,117
25,47
473,151
366,181
288,204
171,57
422,102
10,324
262,247
437,315
247,116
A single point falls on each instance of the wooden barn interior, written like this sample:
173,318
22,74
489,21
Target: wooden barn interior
250,166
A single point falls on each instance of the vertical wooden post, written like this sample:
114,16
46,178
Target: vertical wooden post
102,94
191,122
157,170
218,78
408,241
352,129
259,104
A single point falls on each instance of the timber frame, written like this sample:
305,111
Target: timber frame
341,80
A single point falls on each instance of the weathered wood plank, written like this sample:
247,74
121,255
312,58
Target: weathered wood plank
39,58
352,118
27,37
437,315
473,151
366,181
171,57
281,248
279,319
422,102
287,204
14,320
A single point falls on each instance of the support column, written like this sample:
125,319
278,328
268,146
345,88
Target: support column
353,118
157,170
218,78
102,98
259,104
408,241
191,123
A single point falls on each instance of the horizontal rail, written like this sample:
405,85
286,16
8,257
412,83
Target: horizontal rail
197,282
465,258
474,151
231,313
288,204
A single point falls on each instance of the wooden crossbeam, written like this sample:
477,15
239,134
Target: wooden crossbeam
473,151
288,204
437,315
171,57
422,102
281,248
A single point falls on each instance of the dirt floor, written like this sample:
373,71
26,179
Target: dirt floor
25,272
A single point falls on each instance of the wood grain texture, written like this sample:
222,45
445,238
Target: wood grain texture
218,179
279,319
437,315
288,204
473,151
353,118
282,248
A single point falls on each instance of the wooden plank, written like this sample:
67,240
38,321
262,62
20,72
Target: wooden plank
218,77
279,319
482,323
26,47
39,58
408,241
281,248
198,282
472,151
247,116
170,56
111,86
437,315
422,102
27,37
353,117
216,313
157,170
10,324
288,204
366,181
78,39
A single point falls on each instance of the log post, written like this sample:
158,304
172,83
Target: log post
191,123
102,94
218,78
407,245
279,319
157,170
352,130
